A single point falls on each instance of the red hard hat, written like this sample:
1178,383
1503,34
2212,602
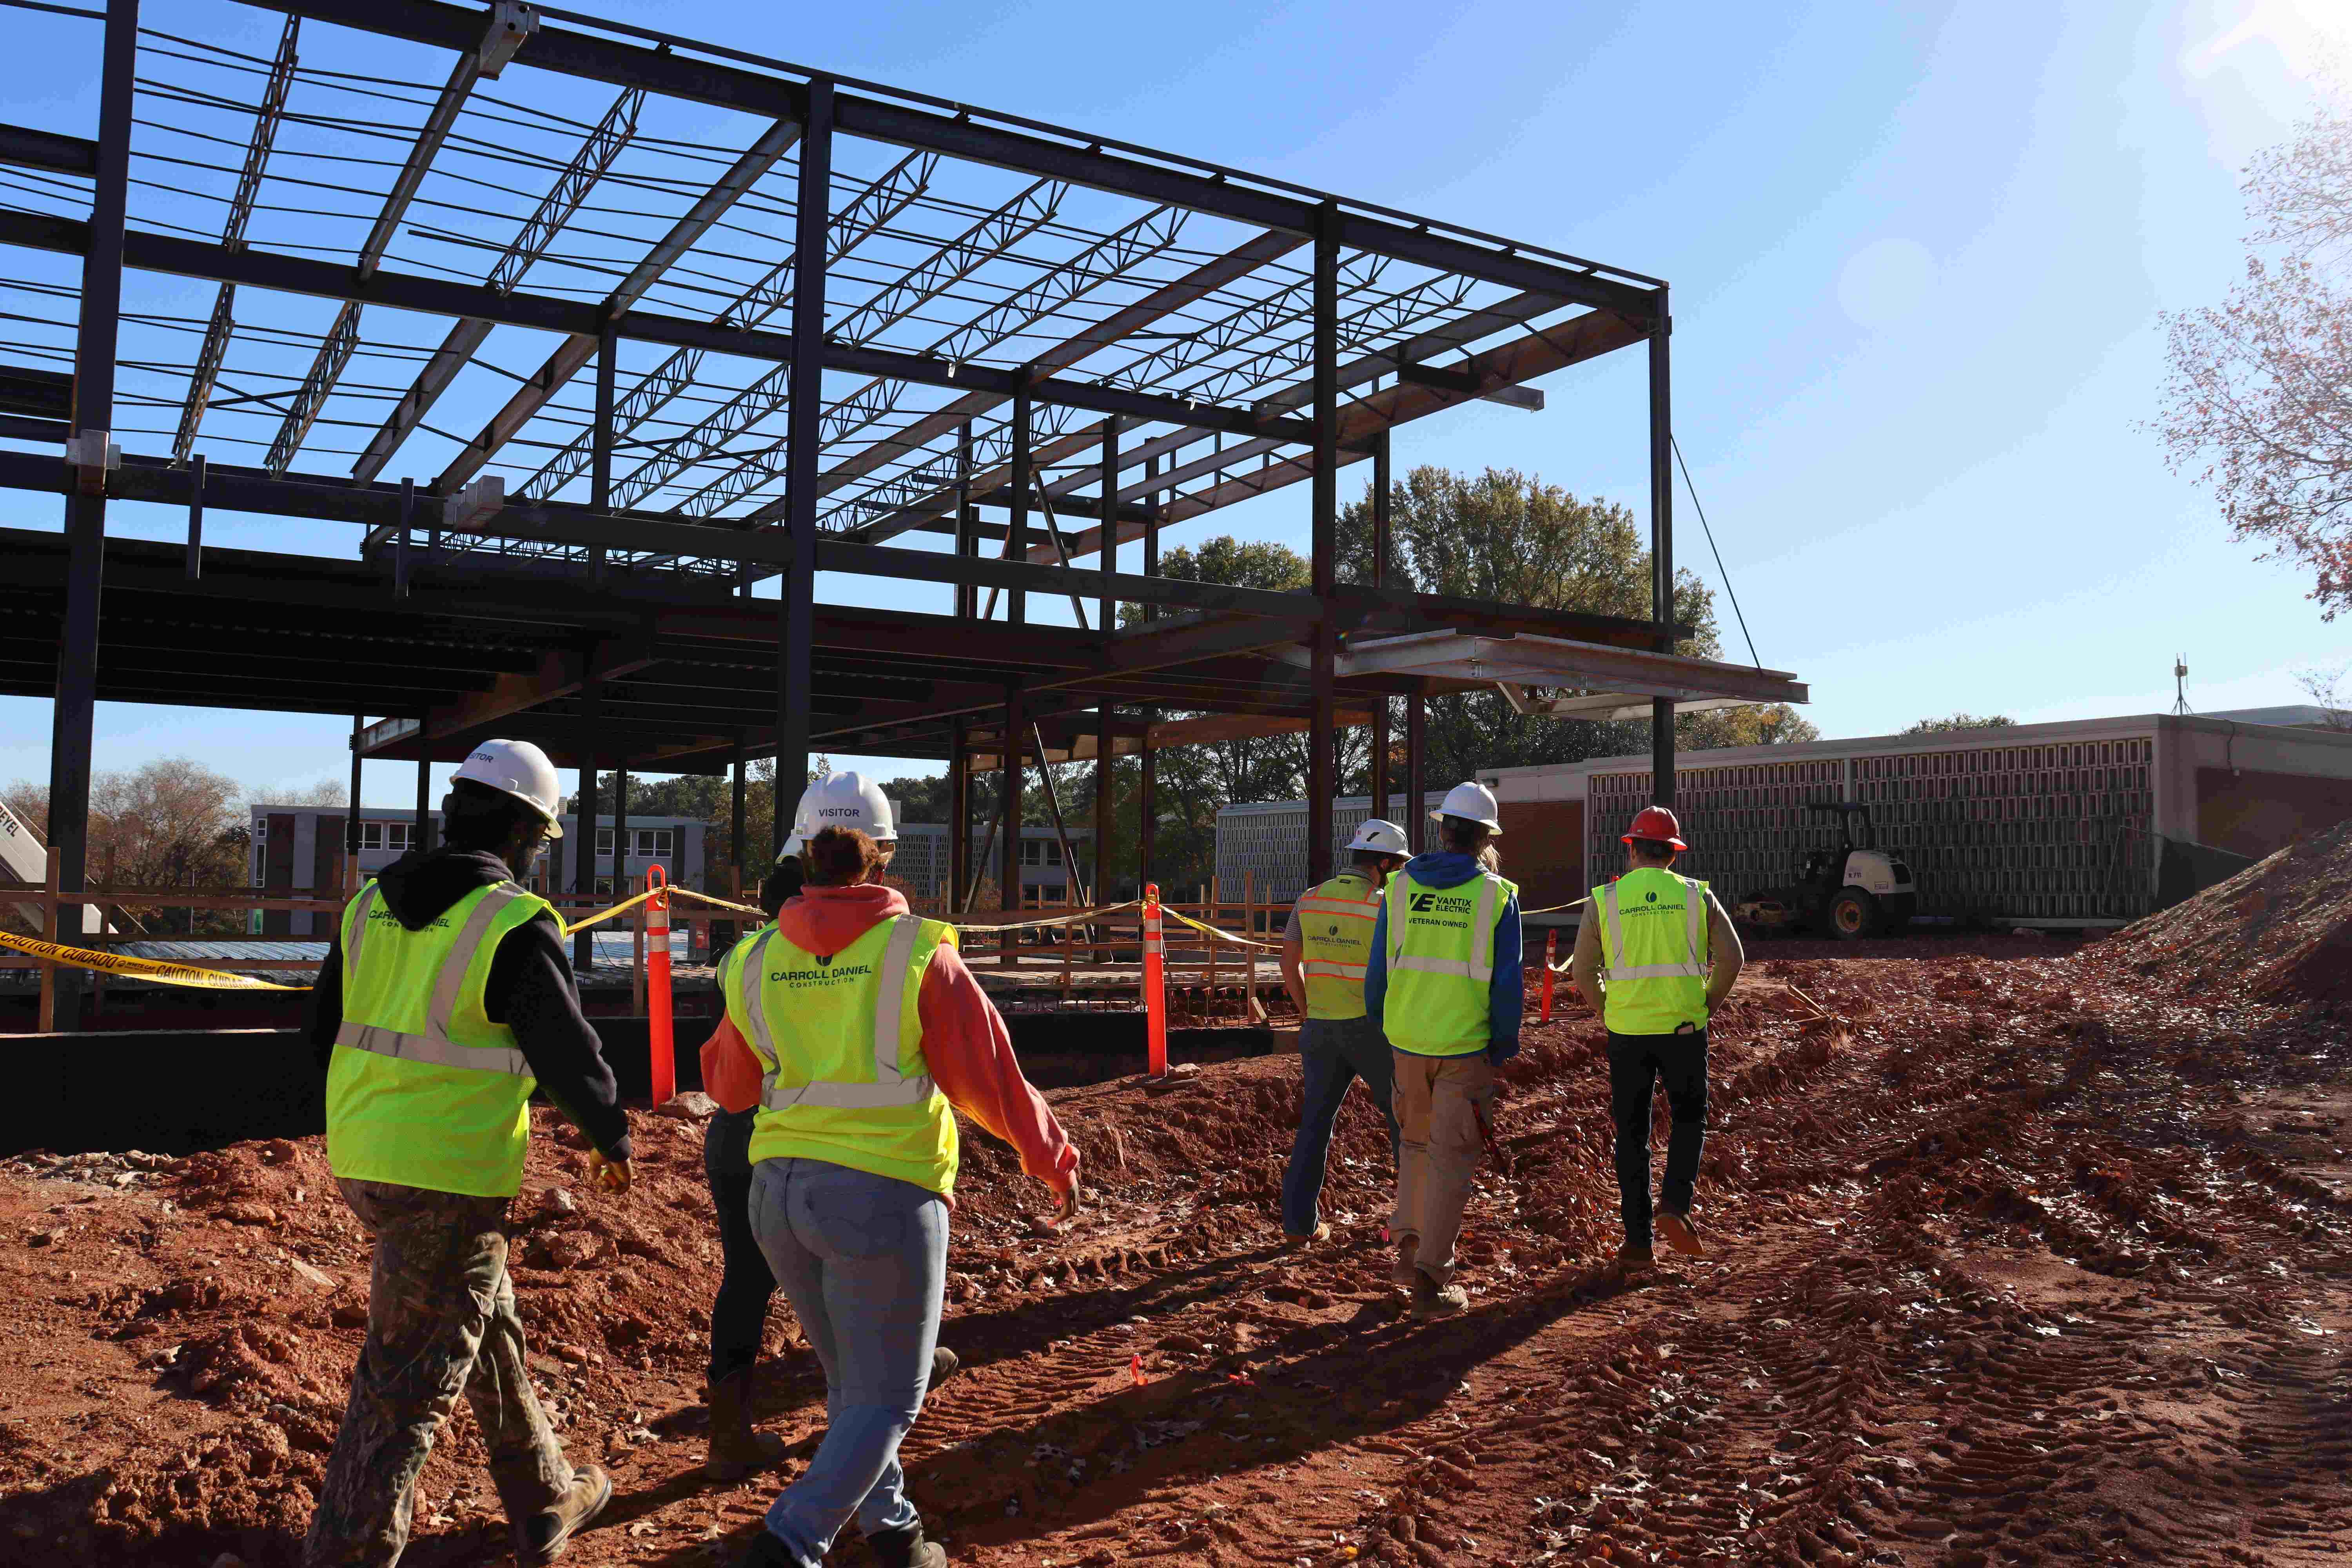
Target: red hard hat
1658,822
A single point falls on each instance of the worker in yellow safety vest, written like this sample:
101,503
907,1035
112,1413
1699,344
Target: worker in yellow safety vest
1443,983
1656,955
445,998
1326,949
867,1029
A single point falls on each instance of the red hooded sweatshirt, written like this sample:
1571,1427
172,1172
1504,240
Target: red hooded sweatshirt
964,1039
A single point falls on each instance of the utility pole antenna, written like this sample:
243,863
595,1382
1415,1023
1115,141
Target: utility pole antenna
2180,686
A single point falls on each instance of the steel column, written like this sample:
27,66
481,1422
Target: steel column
1147,806
73,715
967,540
1008,886
196,517
1380,755
1106,777
1106,617
420,838
1322,726
584,814
736,808
600,443
1151,530
1416,792
1016,541
958,815
1662,545
620,826
352,822
804,453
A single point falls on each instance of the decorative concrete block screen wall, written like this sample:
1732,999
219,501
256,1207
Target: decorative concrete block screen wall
920,861
1746,825
1269,841
2058,831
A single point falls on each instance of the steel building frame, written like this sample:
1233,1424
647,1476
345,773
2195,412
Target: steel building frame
1093,381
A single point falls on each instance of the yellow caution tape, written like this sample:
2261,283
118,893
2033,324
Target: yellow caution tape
1076,917
1223,936
157,970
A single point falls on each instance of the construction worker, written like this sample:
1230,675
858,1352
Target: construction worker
739,1314
1443,983
868,1028
1325,950
1656,955
444,999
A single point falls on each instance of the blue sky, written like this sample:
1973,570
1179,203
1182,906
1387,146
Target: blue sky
1918,252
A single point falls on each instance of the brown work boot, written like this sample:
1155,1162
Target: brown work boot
1431,1300
907,1549
944,1362
1632,1259
1402,1271
736,1450
542,1537
1322,1232
1681,1236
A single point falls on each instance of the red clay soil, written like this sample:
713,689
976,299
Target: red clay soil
2034,1260
2280,929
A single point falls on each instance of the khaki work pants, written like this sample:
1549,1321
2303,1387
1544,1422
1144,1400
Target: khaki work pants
1439,1100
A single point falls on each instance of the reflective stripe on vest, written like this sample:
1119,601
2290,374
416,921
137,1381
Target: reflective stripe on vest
890,1088
1440,956
1335,934
1612,941
1651,997
436,1047
1479,966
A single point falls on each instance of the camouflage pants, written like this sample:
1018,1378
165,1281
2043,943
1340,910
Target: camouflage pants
441,1319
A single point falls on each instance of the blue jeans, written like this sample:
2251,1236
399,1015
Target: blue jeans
1333,1053
863,1260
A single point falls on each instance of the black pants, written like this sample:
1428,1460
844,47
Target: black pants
1636,1064
740,1313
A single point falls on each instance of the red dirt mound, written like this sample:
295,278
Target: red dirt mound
2281,928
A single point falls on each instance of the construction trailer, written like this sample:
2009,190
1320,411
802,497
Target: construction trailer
2088,823
674,335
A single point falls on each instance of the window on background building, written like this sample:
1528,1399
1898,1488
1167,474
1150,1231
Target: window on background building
652,841
371,834
604,887
260,866
1052,852
397,835
604,842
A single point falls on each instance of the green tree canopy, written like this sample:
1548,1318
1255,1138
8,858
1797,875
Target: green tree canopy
1958,721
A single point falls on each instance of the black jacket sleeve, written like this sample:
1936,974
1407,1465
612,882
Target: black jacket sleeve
323,1015
530,991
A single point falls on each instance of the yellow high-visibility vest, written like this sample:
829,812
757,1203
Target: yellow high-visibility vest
841,1041
1335,937
1653,951
1441,964
423,1091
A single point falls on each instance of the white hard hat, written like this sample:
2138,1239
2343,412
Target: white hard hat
522,770
1380,837
797,842
1472,802
848,800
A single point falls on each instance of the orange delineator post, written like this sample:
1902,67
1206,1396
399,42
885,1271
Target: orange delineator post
1155,985
658,998
1551,956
